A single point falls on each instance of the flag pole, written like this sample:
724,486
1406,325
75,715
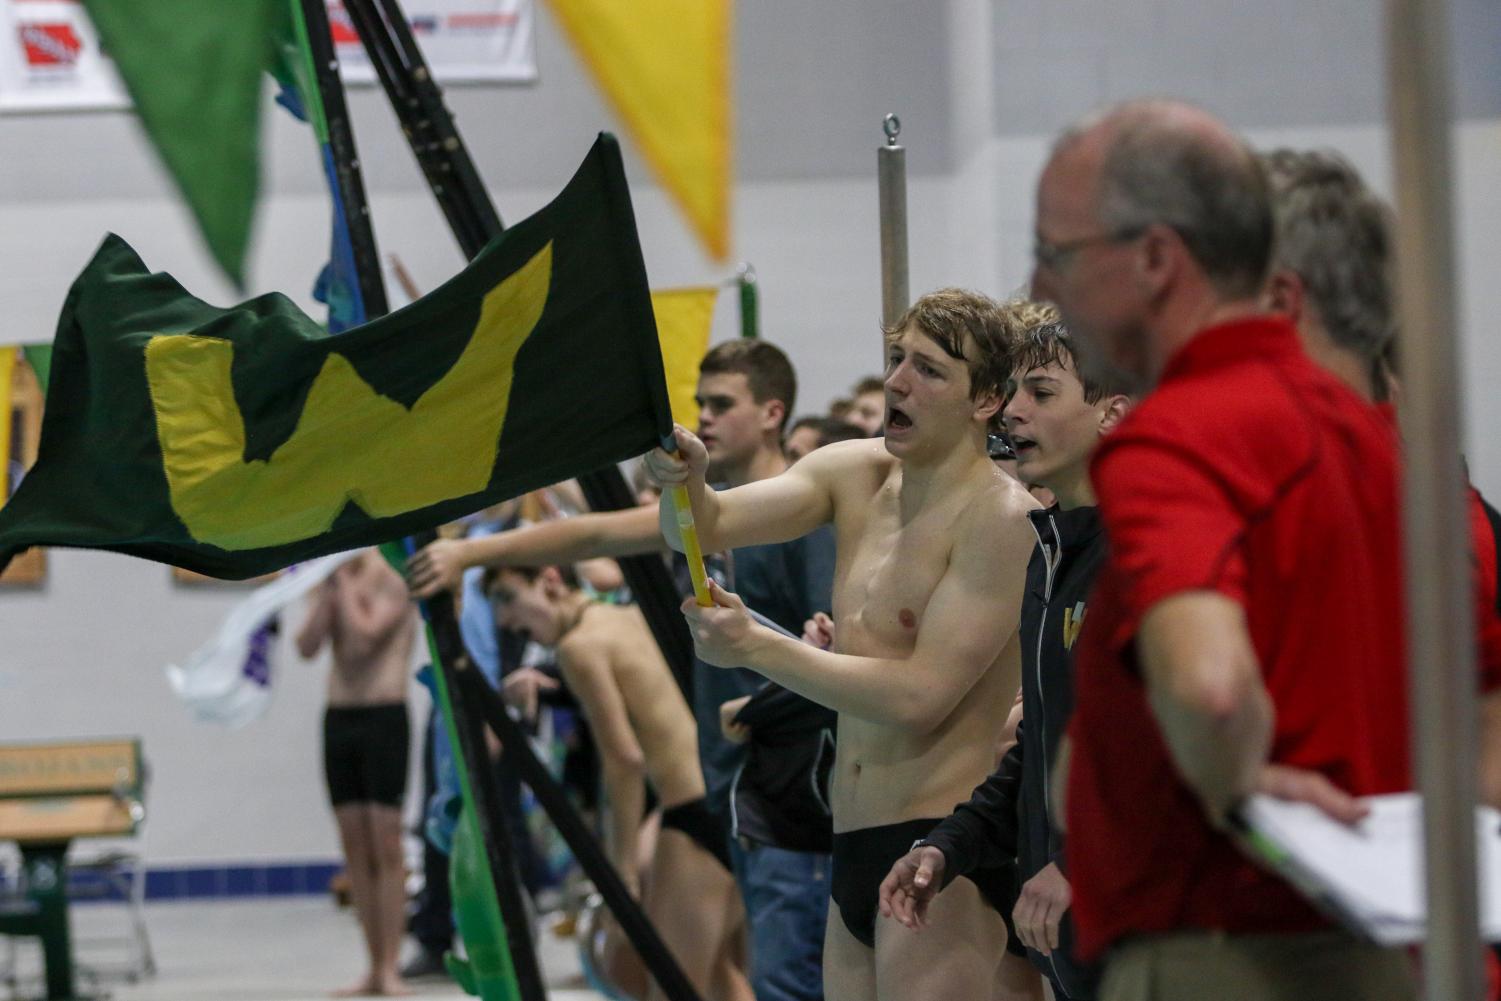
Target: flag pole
891,183
1441,631
688,532
330,119
440,151
418,104
426,122
502,956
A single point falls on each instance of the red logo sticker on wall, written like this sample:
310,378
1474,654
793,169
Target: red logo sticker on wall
50,44
341,26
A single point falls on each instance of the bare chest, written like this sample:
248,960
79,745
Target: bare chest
886,580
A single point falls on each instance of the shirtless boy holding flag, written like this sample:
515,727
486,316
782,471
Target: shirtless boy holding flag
932,542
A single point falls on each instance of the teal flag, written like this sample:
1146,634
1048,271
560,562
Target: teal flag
237,441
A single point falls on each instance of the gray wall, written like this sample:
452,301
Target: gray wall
980,86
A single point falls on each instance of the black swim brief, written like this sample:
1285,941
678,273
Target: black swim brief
862,859
707,831
365,753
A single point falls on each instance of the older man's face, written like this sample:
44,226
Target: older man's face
1087,270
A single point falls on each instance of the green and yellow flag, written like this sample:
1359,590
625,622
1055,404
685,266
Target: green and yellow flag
236,441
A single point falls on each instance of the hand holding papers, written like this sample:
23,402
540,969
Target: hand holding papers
1369,875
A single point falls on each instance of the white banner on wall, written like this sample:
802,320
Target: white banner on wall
464,41
50,58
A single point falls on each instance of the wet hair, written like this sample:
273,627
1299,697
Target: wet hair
766,369
1052,344
945,316
1335,234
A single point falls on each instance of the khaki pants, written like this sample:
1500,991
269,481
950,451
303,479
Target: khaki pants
1209,966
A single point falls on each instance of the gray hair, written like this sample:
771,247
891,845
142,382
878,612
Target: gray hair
1171,164
1334,233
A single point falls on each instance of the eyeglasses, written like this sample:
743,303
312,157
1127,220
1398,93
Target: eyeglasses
1054,256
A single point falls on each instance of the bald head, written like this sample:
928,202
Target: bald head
1174,164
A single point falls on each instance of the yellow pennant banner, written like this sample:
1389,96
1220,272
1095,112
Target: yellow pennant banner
664,65
7,378
684,318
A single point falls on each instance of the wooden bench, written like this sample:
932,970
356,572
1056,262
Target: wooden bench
51,793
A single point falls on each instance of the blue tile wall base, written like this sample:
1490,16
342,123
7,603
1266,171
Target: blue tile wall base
276,879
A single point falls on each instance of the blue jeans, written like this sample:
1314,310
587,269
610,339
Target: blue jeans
786,905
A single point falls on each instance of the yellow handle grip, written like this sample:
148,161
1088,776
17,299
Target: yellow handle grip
691,549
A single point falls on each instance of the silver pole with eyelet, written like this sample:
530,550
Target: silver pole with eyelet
891,180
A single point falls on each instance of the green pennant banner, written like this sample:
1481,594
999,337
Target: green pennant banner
194,69
237,441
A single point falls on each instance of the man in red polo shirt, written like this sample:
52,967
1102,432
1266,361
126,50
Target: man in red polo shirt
1247,631
1331,276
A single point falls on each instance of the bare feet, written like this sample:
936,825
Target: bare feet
362,988
389,985
392,986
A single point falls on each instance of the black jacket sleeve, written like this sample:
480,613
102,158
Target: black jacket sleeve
981,833
776,708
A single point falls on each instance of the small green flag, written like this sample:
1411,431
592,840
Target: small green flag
194,71
39,357
236,441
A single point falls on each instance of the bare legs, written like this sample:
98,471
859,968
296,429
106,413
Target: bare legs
693,903
1018,980
955,956
371,836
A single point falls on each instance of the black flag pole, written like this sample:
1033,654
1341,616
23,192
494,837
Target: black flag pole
461,195
445,162
499,851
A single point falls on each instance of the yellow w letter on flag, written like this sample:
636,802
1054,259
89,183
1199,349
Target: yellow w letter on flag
349,437
234,441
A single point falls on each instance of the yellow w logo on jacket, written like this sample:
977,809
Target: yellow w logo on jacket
1073,622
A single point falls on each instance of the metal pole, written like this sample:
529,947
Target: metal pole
455,182
750,307
550,794
1441,630
418,103
519,954
350,181
891,180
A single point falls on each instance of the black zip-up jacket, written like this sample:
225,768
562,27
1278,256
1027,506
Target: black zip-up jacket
780,795
1007,816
